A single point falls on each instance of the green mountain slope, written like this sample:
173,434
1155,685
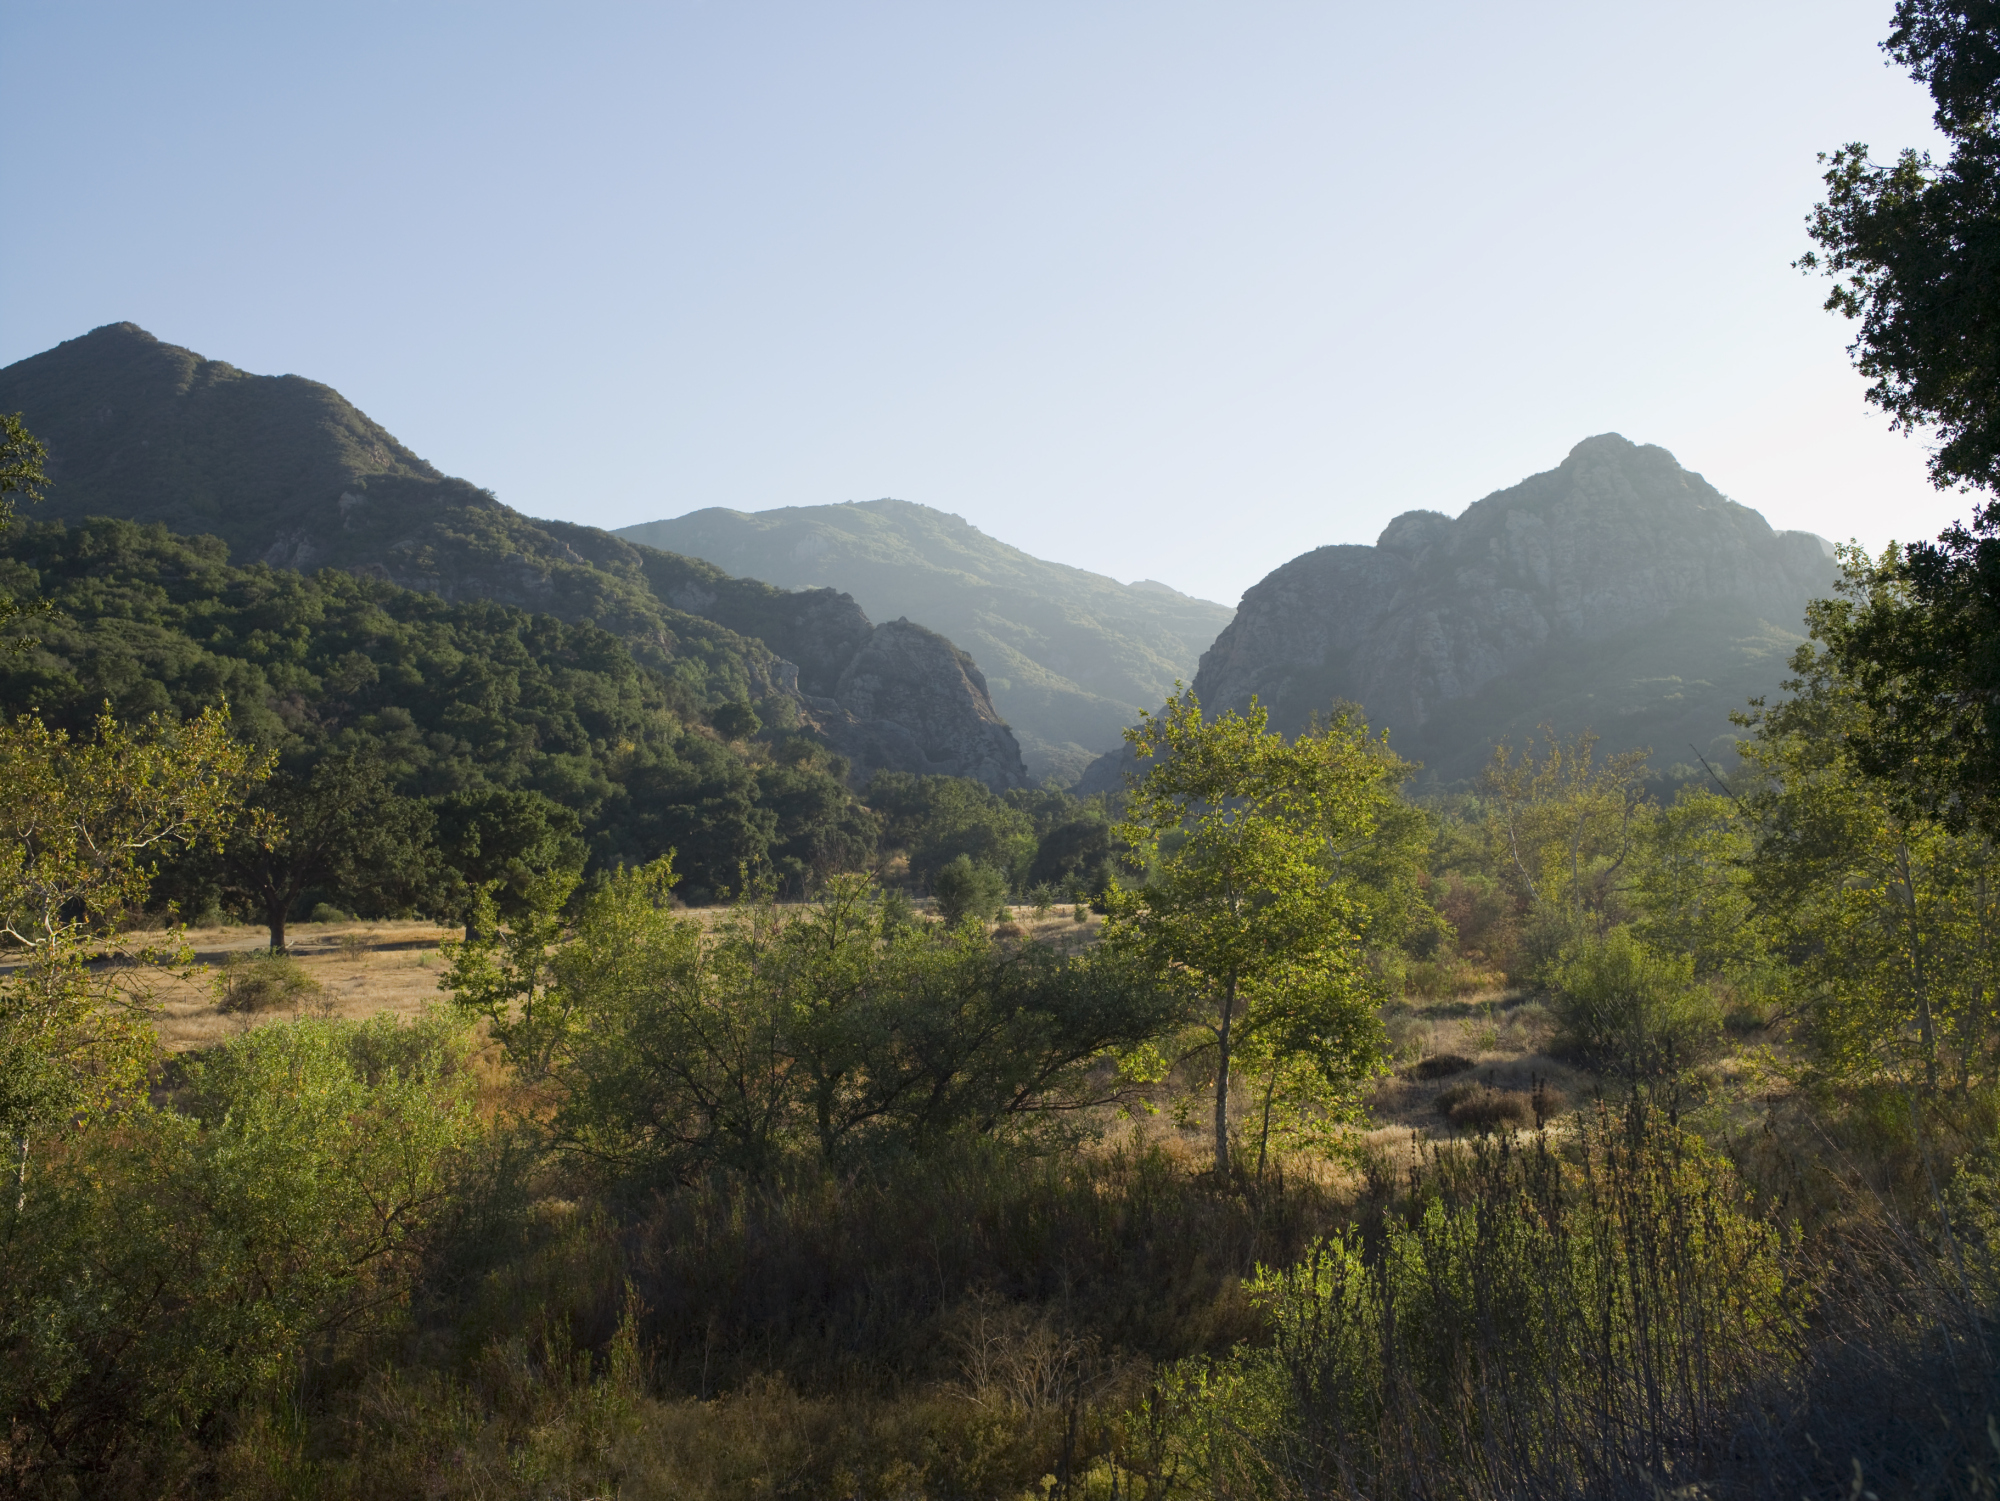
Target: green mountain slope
1070,656
288,473
456,696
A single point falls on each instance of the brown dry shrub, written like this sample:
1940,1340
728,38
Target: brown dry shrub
264,981
1481,1107
1439,1066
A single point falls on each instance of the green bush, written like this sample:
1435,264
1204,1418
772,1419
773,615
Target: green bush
1622,1006
176,1264
327,912
735,720
264,981
963,889
835,1032
1523,1326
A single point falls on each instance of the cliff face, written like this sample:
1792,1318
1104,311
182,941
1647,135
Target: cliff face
288,473
1617,592
911,701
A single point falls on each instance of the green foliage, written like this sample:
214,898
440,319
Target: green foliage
1262,885
22,456
267,981
938,819
1526,1327
964,890
170,1268
448,699
81,823
1692,882
1889,919
1559,828
735,720
837,1030
1074,856
1908,246
328,822
508,979
502,840
1632,1009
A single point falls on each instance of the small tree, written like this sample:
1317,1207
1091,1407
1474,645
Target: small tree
735,720
1253,894
963,889
1560,826
81,823
1891,919
501,840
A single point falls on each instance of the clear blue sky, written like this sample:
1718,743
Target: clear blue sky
1164,290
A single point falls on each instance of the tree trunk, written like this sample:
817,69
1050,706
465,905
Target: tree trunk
1222,1079
1264,1136
274,919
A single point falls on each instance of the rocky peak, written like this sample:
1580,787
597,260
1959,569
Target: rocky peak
1543,577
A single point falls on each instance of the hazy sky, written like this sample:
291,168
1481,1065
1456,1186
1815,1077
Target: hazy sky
1164,290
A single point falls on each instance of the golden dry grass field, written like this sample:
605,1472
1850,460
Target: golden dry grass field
361,969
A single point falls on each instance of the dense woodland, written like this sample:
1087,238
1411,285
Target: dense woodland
424,747
1013,1147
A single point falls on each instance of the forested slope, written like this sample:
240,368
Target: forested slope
288,473
453,695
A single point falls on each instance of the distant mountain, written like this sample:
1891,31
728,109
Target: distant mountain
288,473
1617,592
1071,657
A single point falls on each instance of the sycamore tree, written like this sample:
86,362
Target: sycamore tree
1261,862
1560,824
1891,919
82,825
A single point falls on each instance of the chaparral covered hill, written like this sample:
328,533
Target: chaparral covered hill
1071,656
288,473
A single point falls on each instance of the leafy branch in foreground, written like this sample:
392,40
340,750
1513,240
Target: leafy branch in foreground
82,824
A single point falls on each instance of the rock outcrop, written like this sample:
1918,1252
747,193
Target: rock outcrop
911,701
1616,592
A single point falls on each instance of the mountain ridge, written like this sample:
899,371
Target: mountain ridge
287,472
1071,656
1617,591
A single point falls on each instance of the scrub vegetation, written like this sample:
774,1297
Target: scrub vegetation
1579,1133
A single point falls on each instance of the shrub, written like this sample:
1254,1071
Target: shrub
1522,1326
963,889
264,981
1440,1066
1622,1006
178,1264
1480,1107
327,912
1448,977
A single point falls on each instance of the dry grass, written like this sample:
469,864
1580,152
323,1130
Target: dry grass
359,969
364,968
